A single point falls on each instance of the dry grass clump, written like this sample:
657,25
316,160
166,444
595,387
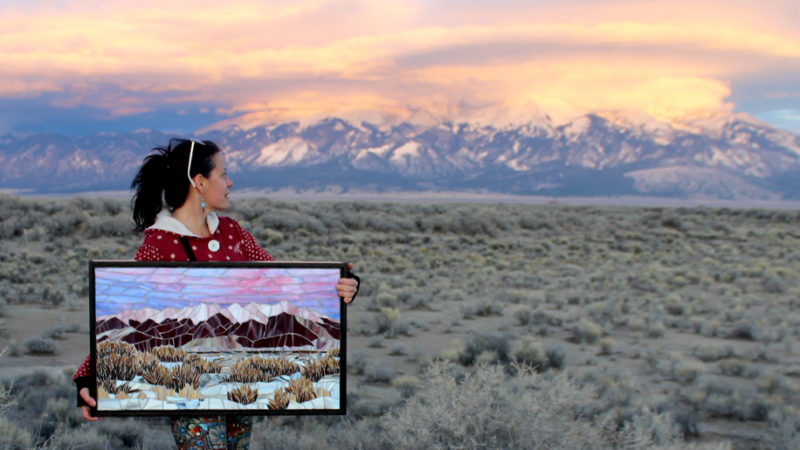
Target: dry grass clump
184,375
163,392
202,365
118,360
299,390
274,366
243,394
317,368
106,348
111,387
302,389
245,371
147,361
114,366
158,375
280,399
168,353
322,392
334,352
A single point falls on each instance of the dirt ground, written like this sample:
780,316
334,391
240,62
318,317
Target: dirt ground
25,321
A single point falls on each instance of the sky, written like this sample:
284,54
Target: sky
131,288
82,67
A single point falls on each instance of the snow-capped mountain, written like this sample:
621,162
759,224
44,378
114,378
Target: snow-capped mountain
213,327
730,156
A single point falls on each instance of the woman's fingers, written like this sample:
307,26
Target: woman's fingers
346,288
87,414
87,397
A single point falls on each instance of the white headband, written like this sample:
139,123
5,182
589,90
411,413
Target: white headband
189,167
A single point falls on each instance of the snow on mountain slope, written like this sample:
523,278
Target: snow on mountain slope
291,150
504,150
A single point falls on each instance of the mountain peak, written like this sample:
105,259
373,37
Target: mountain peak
506,149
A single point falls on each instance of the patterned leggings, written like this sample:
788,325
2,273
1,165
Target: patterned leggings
218,433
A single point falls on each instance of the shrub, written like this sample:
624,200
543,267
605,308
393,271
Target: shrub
398,350
487,409
745,330
38,345
656,329
482,308
556,357
55,332
376,342
406,384
492,346
687,372
607,345
586,331
387,318
530,353
13,436
375,373
734,367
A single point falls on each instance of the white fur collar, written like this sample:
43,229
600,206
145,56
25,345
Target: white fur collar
165,222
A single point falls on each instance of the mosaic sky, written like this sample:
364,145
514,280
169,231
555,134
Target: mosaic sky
133,288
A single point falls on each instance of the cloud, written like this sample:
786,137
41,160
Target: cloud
310,57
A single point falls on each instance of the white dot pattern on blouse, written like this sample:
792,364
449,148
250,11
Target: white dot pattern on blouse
83,370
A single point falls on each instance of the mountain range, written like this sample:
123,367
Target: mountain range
720,155
210,327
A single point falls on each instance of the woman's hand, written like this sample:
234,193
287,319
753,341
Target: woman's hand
347,287
86,409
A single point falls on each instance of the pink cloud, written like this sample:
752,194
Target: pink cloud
300,59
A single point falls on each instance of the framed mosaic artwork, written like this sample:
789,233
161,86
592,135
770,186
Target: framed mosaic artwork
205,338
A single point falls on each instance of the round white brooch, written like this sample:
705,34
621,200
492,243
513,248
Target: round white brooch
213,245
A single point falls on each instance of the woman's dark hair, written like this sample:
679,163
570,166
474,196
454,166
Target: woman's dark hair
162,178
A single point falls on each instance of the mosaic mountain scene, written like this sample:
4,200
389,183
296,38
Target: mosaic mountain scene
216,338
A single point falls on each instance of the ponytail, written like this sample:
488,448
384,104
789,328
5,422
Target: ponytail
148,185
163,178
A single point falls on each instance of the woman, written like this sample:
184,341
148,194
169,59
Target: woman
191,179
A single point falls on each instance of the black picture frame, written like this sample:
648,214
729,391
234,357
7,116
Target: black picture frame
178,338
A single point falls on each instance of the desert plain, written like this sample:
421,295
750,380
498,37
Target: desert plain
660,326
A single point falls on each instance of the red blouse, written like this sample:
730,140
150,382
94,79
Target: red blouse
235,244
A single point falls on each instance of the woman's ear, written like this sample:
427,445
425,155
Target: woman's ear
199,181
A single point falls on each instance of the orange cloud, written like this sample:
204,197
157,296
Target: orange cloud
317,56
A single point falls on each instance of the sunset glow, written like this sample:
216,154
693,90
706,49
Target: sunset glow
297,59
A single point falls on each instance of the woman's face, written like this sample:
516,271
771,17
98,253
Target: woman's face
217,186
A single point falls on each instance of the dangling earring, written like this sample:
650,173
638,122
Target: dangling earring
202,203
